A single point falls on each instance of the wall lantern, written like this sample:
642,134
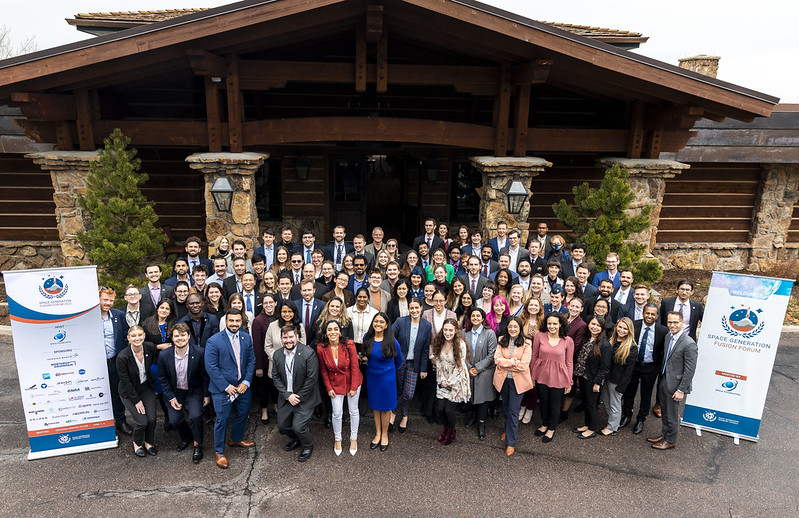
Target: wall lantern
302,165
222,191
515,196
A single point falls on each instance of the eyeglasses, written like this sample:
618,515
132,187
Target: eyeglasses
391,245
296,261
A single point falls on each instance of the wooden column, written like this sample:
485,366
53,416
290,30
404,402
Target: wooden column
235,106
213,116
502,111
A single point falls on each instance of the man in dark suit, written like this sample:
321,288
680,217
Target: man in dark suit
583,275
473,279
475,244
295,374
359,246
309,308
193,249
606,293
487,264
230,363
649,335
253,300
287,239
515,250
501,241
115,338
308,272
202,325
676,375
184,366
338,248
691,310
634,310
429,237
181,273
537,262
232,284
569,264
268,248
153,292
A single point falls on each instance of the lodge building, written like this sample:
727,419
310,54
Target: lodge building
382,112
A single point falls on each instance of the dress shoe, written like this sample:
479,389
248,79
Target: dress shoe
140,452
337,451
638,428
125,428
244,443
502,436
509,450
305,454
591,435
547,438
183,445
197,455
472,420
579,430
539,432
624,421
481,430
655,439
266,421
221,460
384,447
663,445
152,450
402,428
292,445
374,445
611,434
656,410
353,451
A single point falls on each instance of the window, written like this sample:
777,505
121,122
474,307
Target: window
465,200
268,191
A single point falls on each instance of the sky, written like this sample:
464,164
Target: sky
757,41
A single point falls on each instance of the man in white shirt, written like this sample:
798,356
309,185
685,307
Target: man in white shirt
624,291
220,271
473,279
515,251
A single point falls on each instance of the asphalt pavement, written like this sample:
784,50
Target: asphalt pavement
416,476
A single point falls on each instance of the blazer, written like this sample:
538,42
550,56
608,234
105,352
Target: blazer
349,298
421,348
520,372
597,371
272,342
590,290
146,305
546,249
320,288
437,243
196,377
469,249
305,377
370,259
697,312
385,298
129,385
495,248
478,291
601,276
567,269
428,315
120,325
351,283
680,364
344,375
483,361
660,336
539,266
613,312
316,309
262,250
621,374
330,250
523,254
229,286
202,260
220,362
258,302
209,325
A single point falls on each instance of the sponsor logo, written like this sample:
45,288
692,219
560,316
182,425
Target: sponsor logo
75,398
84,380
65,373
66,382
44,386
709,416
82,412
743,321
729,385
45,375
60,336
84,406
62,408
33,387
98,378
53,287
63,438
82,372
91,417
34,412
73,390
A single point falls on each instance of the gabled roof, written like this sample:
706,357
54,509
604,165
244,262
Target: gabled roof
502,35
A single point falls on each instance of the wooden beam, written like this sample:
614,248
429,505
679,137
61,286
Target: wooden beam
552,140
382,64
521,120
206,64
45,107
213,116
374,23
636,144
158,133
84,120
531,72
235,106
502,111
655,142
63,135
360,60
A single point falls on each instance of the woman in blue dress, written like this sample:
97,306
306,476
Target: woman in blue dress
383,359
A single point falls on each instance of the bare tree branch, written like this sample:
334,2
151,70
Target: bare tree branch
9,49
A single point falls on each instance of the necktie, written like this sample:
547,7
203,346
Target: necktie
668,352
249,302
429,243
620,296
338,254
685,318
193,264
296,278
474,344
307,256
237,353
307,318
642,345
474,285
485,270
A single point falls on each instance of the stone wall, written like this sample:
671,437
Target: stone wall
26,255
777,195
703,256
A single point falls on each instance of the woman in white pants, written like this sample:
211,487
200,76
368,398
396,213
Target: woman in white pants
625,352
338,366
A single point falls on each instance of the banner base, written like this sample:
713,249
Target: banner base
735,436
34,455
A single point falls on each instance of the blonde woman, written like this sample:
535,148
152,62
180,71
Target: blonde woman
625,352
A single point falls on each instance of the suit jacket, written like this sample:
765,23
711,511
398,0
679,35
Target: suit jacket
196,377
613,312
680,364
483,361
469,249
146,305
493,266
351,283
120,329
220,362
697,312
421,348
316,309
174,280
290,246
660,335
546,249
495,248
385,298
523,254
129,385
428,315
261,250
305,376
590,290
539,266
628,310
301,249
207,262
330,250
257,301
600,276
567,269
370,259
478,291
437,243
344,375
230,286
209,325
319,290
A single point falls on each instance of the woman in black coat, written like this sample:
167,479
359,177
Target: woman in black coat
137,389
591,367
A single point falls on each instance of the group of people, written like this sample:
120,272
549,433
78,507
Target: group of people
456,324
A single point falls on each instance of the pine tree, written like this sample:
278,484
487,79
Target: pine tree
121,237
599,221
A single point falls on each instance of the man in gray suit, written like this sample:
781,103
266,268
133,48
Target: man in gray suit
679,364
295,374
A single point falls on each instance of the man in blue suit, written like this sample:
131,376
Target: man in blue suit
115,338
193,248
309,307
499,242
230,363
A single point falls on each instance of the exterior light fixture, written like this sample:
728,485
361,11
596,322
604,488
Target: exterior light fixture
222,191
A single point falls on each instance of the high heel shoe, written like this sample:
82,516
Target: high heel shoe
353,451
338,450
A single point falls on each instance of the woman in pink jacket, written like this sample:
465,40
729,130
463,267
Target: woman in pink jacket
512,378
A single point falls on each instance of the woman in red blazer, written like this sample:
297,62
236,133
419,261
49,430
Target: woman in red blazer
338,365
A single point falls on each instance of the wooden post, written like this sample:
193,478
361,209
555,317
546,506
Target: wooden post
212,116
502,112
235,106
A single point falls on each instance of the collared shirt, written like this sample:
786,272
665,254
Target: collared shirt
514,254
290,369
155,293
412,342
249,309
621,295
230,338
650,342
306,254
501,244
192,264
525,283
669,346
685,310
132,317
269,254
475,334
356,284
182,370
108,337
216,278
639,313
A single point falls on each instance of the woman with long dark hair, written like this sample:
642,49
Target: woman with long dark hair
591,368
236,301
449,355
551,369
512,378
215,301
383,358
481,342
157,330
286,314
263,386
400,297
456,289
625,352
465,307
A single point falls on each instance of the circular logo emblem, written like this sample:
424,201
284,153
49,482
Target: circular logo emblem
82,372
63,439
729,385
709,416
743,320
53,287
60,336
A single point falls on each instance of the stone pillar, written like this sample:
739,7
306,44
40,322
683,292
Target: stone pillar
648,181
772,213
68,171
242,220
497,172
703,64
